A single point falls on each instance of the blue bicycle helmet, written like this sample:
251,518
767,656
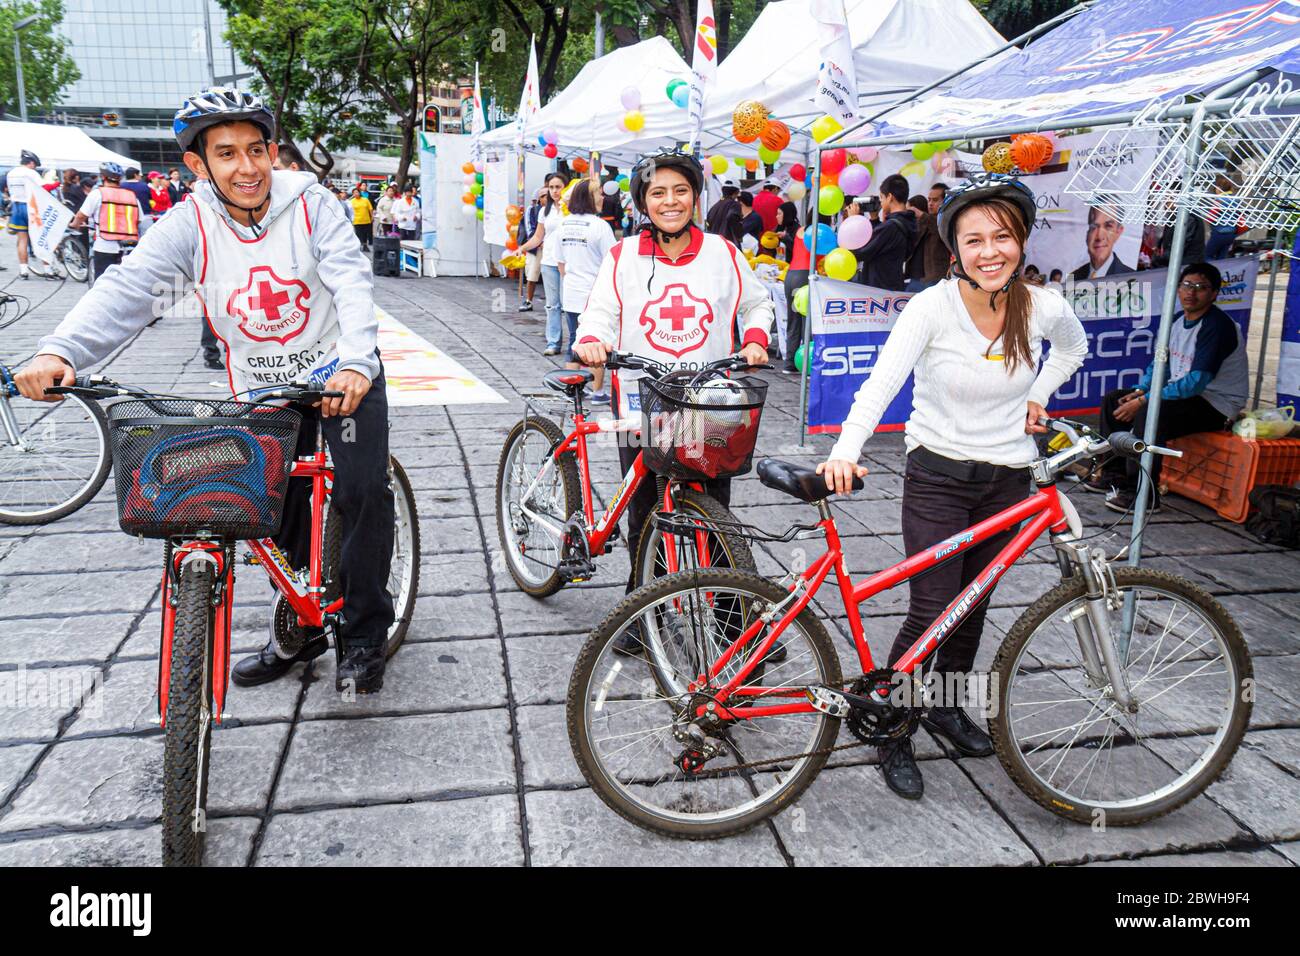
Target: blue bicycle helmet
111,171
217,105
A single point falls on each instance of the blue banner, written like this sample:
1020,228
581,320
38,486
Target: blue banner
1119,54
1288,365
1120,316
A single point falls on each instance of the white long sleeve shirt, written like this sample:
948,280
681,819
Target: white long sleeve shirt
964,403
681,313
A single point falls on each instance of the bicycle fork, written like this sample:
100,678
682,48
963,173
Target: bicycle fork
216,663
1091,624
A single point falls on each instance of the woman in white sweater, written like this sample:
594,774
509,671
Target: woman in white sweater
975,343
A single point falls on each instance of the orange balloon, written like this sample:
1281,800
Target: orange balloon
830,179
580,165
512,243
776,136
1031,151
467,198
467,168
743,136
751,165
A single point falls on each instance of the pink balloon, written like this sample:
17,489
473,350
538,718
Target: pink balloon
866,154
943,164
855,179
855,232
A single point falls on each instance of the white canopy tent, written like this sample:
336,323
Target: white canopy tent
59,147
899,46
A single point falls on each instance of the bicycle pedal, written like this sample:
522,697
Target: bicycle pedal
830,702
576,571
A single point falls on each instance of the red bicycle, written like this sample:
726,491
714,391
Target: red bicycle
1118,695
203,475
546,519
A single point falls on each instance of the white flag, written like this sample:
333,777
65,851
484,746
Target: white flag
478,122
704,66
530,100
837,85
47,220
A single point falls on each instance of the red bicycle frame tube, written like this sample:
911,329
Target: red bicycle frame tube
1042,511
304,600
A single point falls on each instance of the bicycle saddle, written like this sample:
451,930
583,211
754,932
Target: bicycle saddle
570,381
798,480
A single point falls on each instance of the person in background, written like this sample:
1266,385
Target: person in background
73,195
160,198
718,211
1193,243
362,220
1206,387
1223,219
766,202
1054,281
533,257
131,180
795,276
584,240
928,263
787,227
176,189
342,197
21,181
407,213
975,344
117,214
885,256
751,223
289,158
384,223
545,238
611,207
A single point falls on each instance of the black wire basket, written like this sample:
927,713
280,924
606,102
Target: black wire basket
185,467
700,432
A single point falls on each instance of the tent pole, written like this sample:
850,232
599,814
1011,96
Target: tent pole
1276,263
814,302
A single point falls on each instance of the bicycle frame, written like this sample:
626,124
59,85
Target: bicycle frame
599,531
303,599
1043,511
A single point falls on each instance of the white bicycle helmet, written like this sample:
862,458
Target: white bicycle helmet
217,105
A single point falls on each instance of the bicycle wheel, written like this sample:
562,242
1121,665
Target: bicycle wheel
1073,749
723,551
531,543
72,256
634,743
186,750
54,457
403,574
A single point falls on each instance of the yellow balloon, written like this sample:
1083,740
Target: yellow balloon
823,128
840,264
719,164
914,168
634,120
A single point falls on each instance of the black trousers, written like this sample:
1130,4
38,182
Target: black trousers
362,500
211,347
936,507
642,503
102,260
793,320
1179,417
365,233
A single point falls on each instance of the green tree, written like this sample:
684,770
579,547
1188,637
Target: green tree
1014,17
47,68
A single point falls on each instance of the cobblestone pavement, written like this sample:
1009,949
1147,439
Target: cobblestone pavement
463,758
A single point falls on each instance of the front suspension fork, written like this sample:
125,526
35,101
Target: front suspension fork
1092,630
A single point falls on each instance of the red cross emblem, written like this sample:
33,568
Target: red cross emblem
268,308
677,322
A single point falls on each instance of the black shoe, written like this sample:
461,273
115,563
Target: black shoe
1123,501
790,369
1101,482
215,364
362,669
902,775
961,731
628,644
266,665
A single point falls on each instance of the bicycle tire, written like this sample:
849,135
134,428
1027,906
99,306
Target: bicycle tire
188,740
569,487
73,259
333,552
1049,606
87,491
735,548
607,630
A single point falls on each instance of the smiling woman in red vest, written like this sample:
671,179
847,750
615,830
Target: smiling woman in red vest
671,293
116,213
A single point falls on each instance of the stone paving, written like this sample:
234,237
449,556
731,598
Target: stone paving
463,759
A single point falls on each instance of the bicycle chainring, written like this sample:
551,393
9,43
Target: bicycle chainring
287,634
887,721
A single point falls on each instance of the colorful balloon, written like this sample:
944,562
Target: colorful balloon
681,96
549,151
800,301
855,232
476,189
672,86
826,240
797,171
841,264
580,165
467,197
550,136
776,136
833,161
923,151
610,187
634,120
478,202
855,179
769,156
751,165
830,200
914,168
801,357
478,214
719,164
943,164
468,210
865,154
824,127
630,98
796,191
624,183
478,177
467,168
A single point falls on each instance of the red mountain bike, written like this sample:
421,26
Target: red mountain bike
546,520
1118,695
203,475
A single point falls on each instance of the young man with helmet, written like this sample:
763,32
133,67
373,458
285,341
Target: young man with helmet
975,343
21,181
281,279
672,293
116,214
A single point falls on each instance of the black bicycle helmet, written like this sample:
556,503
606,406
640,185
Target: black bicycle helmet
27,156
980,189
217,105
673,158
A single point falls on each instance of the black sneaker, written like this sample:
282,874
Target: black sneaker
902,775
361,670
628,643
961,731
266,665
215,364
1124,501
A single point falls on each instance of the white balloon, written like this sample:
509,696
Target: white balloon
467,209
796,191
610,188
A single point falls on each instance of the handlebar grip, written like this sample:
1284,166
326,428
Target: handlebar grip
332,394
1127,444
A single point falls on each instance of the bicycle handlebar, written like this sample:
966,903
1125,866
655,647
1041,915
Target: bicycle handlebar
627,360
1087,444
101,386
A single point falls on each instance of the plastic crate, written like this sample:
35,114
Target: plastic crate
1218,469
